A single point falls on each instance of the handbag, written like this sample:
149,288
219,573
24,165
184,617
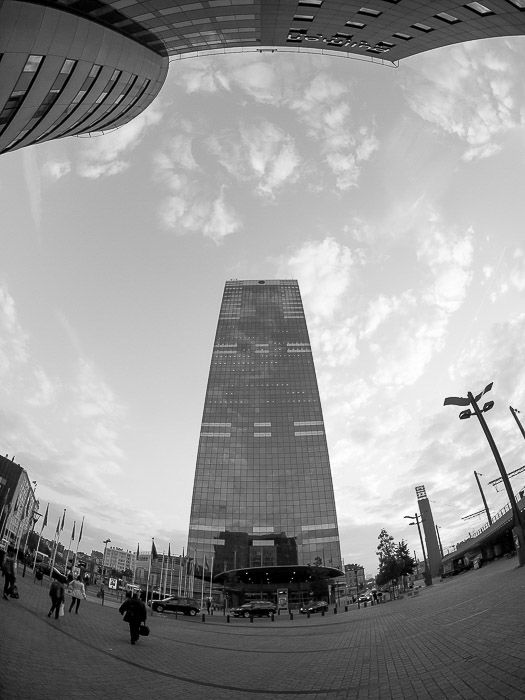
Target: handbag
144,631
61,611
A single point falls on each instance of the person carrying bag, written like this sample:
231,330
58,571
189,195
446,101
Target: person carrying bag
135,615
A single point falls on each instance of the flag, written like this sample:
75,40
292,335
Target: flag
456,401
206,565
63,520
154,554
138,550
73,533
45,516
58,526
81,528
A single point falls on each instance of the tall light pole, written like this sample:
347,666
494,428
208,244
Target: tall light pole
517,527
428,578
515,411
105,543
487,511
439,541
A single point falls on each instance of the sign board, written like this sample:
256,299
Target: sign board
282,599
112,583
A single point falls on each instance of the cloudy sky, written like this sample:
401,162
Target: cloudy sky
391,194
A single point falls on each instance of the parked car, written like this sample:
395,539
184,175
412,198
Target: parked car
314,606
187,606
256,608
365,597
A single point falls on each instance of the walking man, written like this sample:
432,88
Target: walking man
8,569
56,593
135,614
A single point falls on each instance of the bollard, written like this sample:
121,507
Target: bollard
291,615
251,618
271,617
335,609
227,618
278,611
346,608
322,613
203,617
308,614
365,603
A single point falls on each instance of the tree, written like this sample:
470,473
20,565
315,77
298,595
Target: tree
405,561
388,565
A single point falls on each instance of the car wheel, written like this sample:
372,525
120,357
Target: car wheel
192,612
158,608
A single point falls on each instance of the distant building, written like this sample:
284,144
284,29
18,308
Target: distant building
118,559
355,577
71,68
18,504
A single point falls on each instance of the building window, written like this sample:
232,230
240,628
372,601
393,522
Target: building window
445,17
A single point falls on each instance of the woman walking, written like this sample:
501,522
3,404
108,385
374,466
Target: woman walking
77,591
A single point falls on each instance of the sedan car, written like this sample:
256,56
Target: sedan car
255,608
187,606
314,606
365,597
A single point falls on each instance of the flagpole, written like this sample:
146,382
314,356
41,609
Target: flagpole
44,523
211,576
161,570
55,544
179,586
171,576
69,545
202,580
78,542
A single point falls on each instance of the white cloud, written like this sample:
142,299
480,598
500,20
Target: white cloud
324,270
477,95
263,154
55,170
13,340
221,221
103,156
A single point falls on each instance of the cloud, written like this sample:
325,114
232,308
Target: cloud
55,170
324,108
13,340
263,154
103,156
476,95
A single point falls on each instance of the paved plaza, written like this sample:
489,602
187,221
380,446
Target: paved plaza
462,638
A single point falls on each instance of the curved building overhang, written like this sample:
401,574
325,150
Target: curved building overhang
137,37
62,74
278,575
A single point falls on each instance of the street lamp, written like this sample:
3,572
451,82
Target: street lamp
514,412
428,577
105,543
517,527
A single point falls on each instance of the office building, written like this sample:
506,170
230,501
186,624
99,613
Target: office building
70,67
263,512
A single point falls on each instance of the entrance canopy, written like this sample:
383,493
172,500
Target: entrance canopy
278,575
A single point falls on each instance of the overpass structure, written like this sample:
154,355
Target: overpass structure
72,67
489,542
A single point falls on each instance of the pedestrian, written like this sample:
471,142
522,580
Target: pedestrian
8,569
56,593
77,591
208,605
135,614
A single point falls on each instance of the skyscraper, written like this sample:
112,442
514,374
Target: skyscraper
70,67
263,503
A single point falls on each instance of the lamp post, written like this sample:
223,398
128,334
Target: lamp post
518,527
439,541
487,511
428,578
514,412
105,543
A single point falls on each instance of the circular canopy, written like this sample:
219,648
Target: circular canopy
279,575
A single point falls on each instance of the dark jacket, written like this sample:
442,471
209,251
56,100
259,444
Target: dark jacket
133,610
56,590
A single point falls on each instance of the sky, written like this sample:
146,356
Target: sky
390,193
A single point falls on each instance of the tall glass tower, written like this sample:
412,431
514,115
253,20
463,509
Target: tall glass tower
263,498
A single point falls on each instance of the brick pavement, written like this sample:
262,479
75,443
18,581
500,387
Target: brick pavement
462,638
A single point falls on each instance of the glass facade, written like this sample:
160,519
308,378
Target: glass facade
263,493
